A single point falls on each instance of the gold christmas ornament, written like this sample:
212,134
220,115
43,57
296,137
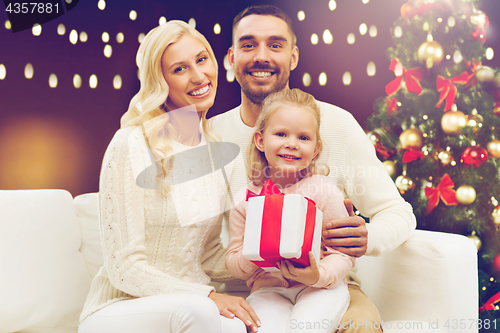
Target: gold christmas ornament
391,167
496,215
493,148
445,157
452,122
466,194
374,137
430,53
411,138
404,184
485,74
476,240
478,18
475,121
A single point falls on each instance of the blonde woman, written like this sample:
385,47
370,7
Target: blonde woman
161,241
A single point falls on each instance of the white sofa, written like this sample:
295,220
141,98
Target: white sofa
50,250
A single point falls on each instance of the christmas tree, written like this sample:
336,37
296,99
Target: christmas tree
438,129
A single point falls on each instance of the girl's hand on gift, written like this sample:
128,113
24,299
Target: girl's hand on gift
308,275
232,306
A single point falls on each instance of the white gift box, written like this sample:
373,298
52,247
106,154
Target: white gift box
276,225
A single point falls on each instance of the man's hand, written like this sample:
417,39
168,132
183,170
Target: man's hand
308,275
231,306
347,234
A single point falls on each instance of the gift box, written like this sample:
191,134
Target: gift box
281,226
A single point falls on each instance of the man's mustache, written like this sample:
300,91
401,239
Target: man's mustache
263,67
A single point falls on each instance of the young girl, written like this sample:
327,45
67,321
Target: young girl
284,148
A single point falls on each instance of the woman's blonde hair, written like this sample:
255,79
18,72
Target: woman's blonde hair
149,107
257,164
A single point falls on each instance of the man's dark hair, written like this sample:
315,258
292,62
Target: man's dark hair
265,10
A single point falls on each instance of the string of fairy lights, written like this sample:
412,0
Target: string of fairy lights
327,37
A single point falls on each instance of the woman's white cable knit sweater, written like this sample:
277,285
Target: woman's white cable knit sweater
155,243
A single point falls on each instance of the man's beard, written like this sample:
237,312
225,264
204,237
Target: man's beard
257,96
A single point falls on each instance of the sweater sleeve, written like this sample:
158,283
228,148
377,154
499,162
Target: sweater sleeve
334,265
374,194
213,258
237,265
122,219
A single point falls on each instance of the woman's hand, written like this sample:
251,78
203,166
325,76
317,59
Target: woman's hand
308,275
231,306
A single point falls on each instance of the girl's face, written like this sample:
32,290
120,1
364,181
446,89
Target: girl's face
289,142
190,74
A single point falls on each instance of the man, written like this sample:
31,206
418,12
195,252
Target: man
262,54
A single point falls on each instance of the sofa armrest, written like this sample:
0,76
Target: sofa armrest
431,278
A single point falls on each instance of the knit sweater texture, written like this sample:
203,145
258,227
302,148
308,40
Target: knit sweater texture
354,169
147,250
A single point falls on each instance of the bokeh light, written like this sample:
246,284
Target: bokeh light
77,81
37,29
314,39
162,20
101,4
61,29
373,31
332,5
3,72
363,29
120,37
73,37
398,31
53,80
117,82
230,75
8,25
108,51
132,15
28,71
327,37
217,28
93,81
489,53
83,37
141,36
306,79
322,79
346,78
371,69
192,22
43,153
105,37
301,15
351,38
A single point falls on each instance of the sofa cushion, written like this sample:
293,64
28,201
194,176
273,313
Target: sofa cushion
87,215
44,279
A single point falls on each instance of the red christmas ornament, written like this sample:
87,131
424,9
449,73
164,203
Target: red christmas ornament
406,10
474,156
479,34
497,262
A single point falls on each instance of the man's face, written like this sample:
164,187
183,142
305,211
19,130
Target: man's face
262,56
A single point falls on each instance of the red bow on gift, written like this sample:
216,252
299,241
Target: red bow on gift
444,191
268,188
412,79
392,105
412,155
448,89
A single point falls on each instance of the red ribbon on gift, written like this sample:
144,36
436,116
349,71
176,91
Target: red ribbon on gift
392,105
444,191
490,303
412,155
271,223
412,79
448,89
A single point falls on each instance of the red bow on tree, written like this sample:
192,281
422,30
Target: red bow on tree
490,304
412,155
448,89
444,191
392,105
412,79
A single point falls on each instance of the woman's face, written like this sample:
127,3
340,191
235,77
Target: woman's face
190,74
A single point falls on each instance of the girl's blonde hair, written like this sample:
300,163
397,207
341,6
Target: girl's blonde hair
149,107
257,164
